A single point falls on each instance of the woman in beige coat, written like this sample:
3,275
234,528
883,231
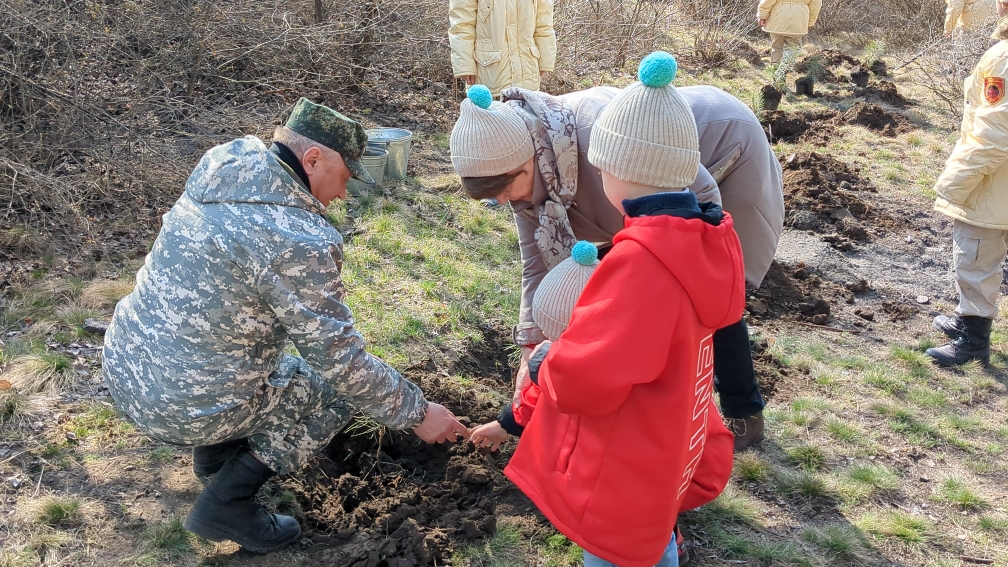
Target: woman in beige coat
969,14
973,190
787,21
557,199
502,43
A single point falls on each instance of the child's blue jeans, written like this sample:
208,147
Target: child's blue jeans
668,559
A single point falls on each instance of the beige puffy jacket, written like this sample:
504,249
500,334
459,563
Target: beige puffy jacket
969,13
789,17
974,186
505,43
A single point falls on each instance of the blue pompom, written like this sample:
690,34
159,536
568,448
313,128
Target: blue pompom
657,70
480,96
584,253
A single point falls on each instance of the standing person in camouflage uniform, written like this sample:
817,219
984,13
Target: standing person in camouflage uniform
246,261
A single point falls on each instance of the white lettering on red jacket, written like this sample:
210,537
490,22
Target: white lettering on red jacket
698,427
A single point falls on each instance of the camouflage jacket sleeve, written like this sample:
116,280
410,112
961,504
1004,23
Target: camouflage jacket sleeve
303,287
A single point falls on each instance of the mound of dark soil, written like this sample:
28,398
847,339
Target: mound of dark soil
830,66
389,499
789,292
874,117
883,91
792,126
821,195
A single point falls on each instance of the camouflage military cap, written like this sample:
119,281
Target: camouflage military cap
326,126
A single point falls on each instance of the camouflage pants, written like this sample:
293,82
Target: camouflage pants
285,426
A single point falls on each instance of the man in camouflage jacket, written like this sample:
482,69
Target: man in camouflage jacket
245,262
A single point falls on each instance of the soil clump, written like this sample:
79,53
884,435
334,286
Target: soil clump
781,126
790,292
874,117
821,195
380,497
883,91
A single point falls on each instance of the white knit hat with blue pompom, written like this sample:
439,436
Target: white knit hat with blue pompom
647,134
489,137
560,289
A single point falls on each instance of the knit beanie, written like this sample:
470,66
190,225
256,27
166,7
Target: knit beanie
560,288
647,134
489,137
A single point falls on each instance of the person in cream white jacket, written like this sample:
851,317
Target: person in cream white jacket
787,21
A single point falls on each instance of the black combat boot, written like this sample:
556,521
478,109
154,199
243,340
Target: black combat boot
227,509
971,343
208,459
948,325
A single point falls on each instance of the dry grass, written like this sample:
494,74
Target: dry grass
103,294
51,371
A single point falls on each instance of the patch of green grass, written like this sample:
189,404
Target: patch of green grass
899,525
440,141
162,455
985,466
101,422
863,481
749,467
918,363
731,506
800,483
167,535
36,372
843,430
806,457
59,510
927,397
954,491
506,548
74,315
883,379
837,541
749,547
810,403
964,423
850,362
995,524
878,477
906,422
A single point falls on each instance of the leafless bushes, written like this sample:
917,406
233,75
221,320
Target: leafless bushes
717,28
943,65
106,105
901,23
603,35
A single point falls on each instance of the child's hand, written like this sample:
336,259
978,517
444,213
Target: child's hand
489,435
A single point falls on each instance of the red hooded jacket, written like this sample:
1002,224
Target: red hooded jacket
626,432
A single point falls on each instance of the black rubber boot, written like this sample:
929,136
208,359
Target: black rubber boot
972,343
227,509
948,325
208,459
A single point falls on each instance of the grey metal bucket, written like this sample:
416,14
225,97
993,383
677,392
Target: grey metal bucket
397,141
374,161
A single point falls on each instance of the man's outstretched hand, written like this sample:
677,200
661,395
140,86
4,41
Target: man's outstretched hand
440,425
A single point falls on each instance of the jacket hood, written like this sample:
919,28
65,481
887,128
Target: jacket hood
705,259
245,171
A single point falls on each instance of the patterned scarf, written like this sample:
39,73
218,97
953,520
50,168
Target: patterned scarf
554,137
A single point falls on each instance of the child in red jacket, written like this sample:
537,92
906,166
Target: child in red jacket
625,432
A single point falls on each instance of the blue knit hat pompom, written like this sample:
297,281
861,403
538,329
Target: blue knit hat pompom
584,253
657,70
480,96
